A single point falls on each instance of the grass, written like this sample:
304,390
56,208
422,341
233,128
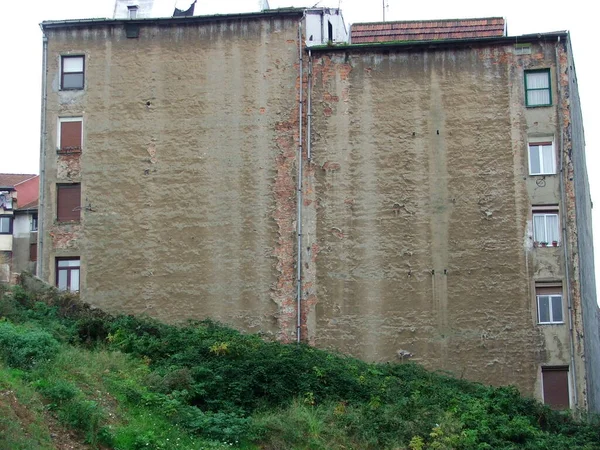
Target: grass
129,382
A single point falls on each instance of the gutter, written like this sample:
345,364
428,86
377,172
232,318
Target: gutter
40,244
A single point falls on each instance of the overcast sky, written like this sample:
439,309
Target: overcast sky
21,45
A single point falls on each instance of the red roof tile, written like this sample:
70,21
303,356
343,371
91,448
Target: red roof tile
12,179
426,30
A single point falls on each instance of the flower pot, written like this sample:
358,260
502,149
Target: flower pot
554,243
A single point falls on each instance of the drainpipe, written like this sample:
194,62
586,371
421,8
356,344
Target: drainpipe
40,248
299,190
308,107
564,230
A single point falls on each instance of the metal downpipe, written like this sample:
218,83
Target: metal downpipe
40,247
564,232
299,192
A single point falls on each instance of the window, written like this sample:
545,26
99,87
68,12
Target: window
549,304
68,202
34,222
32,252
545,226
537,88
67,274
6,224
69,134
555,383
541,158
72,71
132,10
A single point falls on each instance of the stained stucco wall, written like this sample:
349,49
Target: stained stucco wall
423,234
585,245
186,170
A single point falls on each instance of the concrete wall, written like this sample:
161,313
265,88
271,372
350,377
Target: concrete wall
186,170
423,235
584,251
417,204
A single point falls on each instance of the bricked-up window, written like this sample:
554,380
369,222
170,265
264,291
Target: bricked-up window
68,202
32,252
6,224
541,158
546,230
537,88
549,304
67,274
72,72
555,382
69,134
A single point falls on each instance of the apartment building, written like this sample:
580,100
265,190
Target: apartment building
18,224
410,191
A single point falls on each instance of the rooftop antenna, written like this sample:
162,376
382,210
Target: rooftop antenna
383,4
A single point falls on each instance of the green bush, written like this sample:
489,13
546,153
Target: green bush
25,348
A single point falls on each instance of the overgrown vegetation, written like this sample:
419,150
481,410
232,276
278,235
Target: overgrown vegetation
132,382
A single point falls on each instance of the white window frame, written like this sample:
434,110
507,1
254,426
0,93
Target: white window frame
550,211
551,298
61,120
538,145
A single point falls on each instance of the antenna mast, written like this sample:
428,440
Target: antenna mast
383,3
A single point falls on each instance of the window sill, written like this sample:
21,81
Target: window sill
539,245
542,174
538,106
551,323
75,151
72,89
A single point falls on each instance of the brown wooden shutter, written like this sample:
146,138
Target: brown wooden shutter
556,387
33,252
70,135
68,203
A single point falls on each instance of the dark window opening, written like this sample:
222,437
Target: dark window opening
68,202
329,32
72,72
556,386
33,252
70,135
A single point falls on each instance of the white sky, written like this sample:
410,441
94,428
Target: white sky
21,49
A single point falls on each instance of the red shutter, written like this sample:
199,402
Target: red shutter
70,135
556,387
68,202
33,252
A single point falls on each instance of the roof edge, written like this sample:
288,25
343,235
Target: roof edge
427,21
445,42
280,12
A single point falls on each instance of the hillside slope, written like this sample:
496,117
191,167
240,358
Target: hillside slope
131,382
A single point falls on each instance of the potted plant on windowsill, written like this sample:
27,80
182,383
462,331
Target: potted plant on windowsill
544,244
554,243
